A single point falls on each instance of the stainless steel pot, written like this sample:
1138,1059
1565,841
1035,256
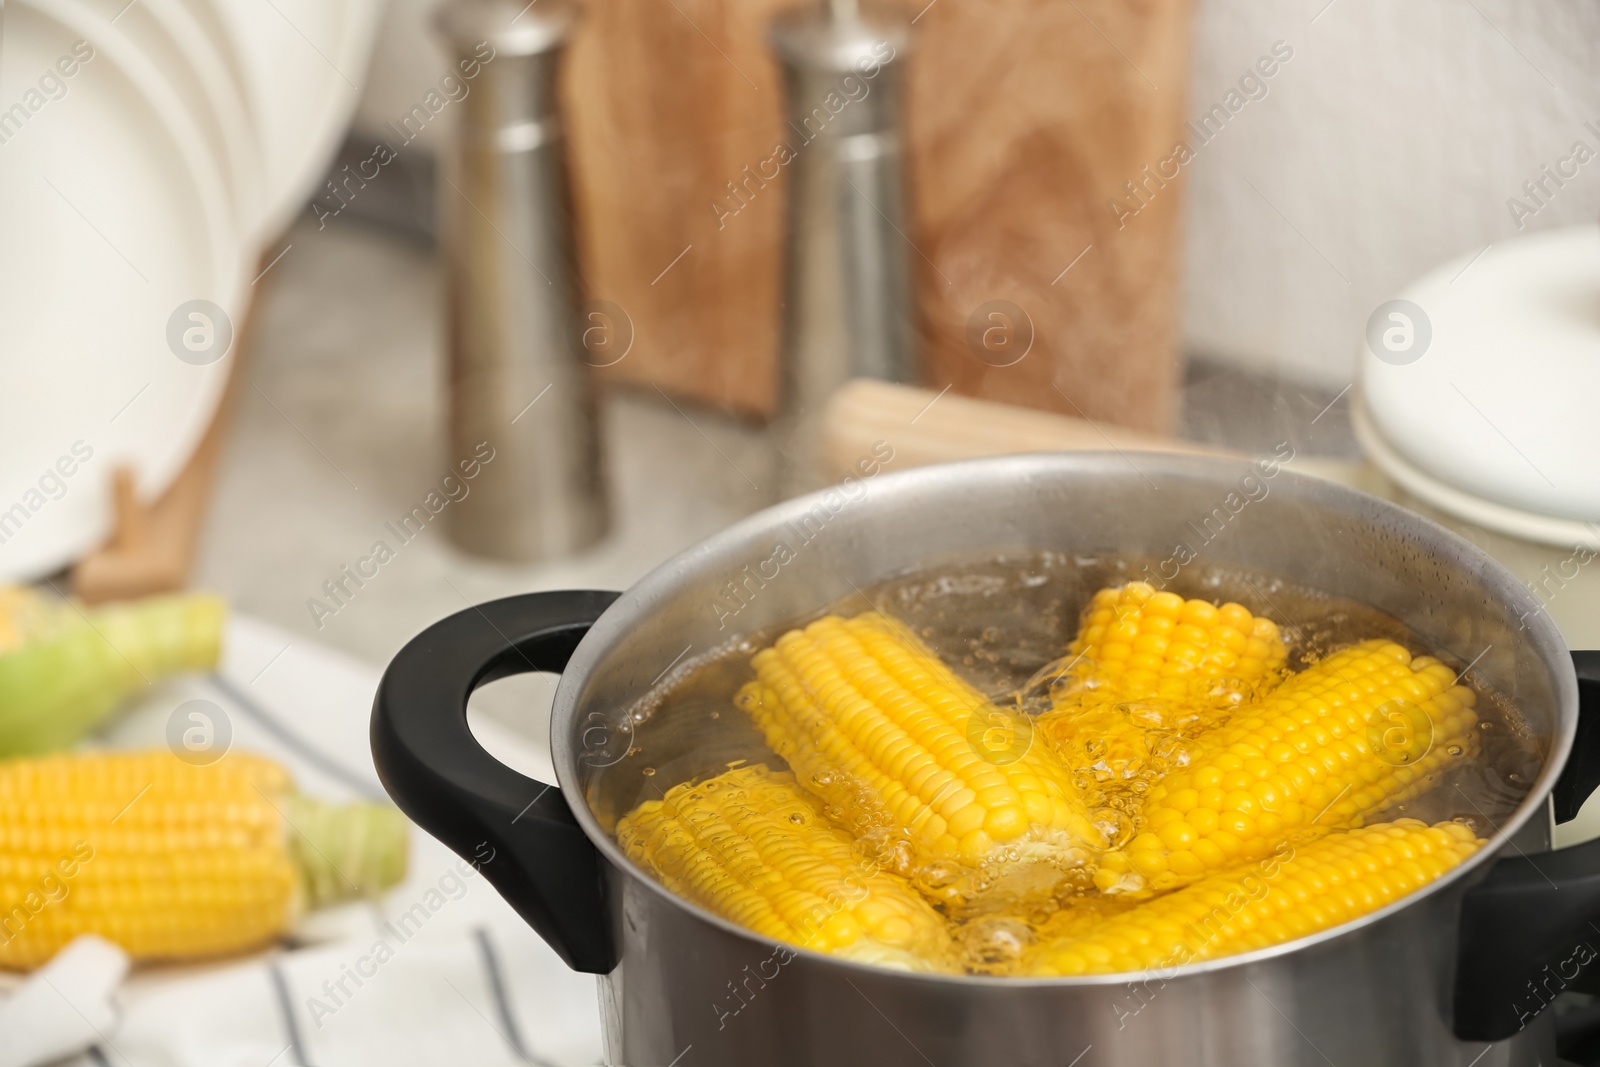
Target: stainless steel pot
1454,975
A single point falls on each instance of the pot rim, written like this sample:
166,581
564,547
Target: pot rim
659,583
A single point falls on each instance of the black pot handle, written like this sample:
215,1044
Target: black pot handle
519,833
1530,929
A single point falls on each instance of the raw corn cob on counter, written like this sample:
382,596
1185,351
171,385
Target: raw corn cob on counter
1036,790
167,859
171,860
65,668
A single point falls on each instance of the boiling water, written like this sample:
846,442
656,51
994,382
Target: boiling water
999,623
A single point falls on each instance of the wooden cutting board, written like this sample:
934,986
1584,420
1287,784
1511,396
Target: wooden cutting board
1025,118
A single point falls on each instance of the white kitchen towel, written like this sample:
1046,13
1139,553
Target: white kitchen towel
405,996
65,1006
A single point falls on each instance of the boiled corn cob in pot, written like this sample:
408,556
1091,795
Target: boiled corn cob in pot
1135,643
64,669
753,847
1364,729
171,860
903,753
1298,890
1147,671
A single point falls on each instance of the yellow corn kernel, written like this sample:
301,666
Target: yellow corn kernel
1302,889
914,761
753,847
169,860
1361,731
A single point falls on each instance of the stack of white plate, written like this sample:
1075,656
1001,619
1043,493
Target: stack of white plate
150,151
1479,385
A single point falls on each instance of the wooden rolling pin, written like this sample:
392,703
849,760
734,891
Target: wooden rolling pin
925,427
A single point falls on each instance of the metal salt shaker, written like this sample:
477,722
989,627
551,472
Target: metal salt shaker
847,282
518,379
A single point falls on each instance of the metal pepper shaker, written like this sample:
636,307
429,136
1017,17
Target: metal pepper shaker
517,379
847,279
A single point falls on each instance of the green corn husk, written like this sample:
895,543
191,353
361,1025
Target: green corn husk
63,670
345,851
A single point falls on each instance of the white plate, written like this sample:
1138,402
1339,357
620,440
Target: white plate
205,13
1513,522
1499,403
113,213
167,33
304,63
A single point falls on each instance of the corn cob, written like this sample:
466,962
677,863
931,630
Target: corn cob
1137,644
1361,731
1305,888
63,670
917,764
753,847
172,860
1146,672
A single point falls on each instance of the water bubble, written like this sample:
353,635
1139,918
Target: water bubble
938,875
1115,825
797,819
997,940
1145,714
648,772
1167,751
